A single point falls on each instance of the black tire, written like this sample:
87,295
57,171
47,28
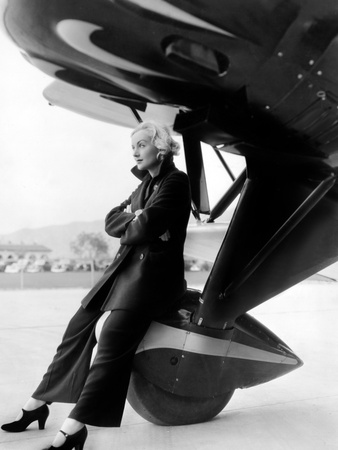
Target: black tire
164,408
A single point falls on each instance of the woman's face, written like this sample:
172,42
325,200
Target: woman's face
145,152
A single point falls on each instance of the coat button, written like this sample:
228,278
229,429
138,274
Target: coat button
118,255
141,256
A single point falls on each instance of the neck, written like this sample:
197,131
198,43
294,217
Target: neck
155,171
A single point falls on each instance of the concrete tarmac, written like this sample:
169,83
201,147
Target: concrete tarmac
298,411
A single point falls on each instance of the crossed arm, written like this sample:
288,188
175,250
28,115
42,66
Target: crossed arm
154,221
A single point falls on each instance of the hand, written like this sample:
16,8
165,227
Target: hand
137,213
166,236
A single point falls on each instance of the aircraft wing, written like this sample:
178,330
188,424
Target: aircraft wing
96,106
237,65
256,78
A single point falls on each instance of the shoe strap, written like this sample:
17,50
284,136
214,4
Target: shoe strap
65,434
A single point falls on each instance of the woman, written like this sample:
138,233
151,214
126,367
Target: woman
143,282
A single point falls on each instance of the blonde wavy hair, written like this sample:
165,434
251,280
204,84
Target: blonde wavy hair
160,138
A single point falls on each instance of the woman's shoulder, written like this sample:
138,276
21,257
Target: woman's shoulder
177,177
178,174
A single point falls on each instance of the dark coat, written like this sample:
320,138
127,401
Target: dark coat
147,274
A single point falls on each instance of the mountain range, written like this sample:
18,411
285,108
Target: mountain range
58,237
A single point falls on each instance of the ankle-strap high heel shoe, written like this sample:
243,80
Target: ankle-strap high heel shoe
40,414
73,441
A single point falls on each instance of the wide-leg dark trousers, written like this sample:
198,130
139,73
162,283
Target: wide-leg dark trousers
99,391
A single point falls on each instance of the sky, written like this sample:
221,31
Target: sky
57,166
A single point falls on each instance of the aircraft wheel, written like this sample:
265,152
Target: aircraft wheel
164,408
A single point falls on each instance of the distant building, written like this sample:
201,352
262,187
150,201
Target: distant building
13,252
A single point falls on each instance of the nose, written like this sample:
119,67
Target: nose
135,152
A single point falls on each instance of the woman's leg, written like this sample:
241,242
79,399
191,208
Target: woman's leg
69,427
103,396
33,403
30,405
66,375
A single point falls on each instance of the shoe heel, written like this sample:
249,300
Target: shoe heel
42,420
79,446
42,423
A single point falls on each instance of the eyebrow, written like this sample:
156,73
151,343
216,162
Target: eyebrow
138,142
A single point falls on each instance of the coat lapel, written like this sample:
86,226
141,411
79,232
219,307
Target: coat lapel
149,186
138,199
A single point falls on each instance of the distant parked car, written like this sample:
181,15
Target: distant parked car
43,264
47,266
192,265
82,267
12,268
194,268
33,268
58,268
102,264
